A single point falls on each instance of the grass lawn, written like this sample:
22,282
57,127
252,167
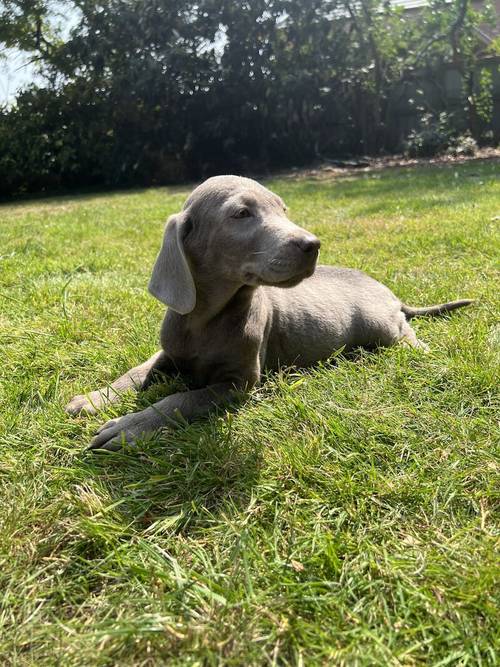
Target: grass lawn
345,516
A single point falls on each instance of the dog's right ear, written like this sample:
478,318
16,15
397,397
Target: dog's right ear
171,281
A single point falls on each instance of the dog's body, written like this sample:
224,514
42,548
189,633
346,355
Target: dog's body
223,269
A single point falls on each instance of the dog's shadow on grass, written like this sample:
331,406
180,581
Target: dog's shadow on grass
179,478
185,475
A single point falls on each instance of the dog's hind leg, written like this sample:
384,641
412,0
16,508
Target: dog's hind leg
409,337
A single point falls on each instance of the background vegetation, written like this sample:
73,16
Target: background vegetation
347,515
158,91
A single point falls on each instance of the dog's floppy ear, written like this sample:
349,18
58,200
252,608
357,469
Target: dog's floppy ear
171,281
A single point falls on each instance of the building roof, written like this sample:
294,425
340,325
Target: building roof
410,4
486,31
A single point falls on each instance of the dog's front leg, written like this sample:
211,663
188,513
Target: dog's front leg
136,378
184,405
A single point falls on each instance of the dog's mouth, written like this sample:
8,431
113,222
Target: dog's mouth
288,281
281,273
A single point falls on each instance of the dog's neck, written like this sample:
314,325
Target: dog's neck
213,300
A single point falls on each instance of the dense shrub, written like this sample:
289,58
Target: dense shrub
463,145
437,136
155,91
431,138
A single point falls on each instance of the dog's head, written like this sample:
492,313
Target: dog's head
230,229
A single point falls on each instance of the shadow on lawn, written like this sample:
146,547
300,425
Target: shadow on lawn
180,478
82,195
351,182
183,477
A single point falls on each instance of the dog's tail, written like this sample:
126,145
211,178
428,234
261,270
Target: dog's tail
435,310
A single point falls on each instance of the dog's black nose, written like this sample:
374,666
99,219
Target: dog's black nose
308,244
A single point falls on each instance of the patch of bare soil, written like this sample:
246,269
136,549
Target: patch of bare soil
330,169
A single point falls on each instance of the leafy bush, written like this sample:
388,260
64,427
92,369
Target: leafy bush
438,136
433,137
146,92
463,145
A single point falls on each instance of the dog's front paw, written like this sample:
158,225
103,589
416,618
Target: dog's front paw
122,431
86,404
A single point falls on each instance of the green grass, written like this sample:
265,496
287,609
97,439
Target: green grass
346,515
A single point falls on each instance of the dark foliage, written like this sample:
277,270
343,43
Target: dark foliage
157,91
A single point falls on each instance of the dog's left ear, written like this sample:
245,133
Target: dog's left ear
171,281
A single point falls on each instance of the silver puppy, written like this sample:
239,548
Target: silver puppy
221,270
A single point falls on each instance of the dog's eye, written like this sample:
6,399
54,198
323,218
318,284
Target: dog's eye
242,213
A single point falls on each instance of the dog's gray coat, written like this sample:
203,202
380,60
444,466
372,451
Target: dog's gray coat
243,294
